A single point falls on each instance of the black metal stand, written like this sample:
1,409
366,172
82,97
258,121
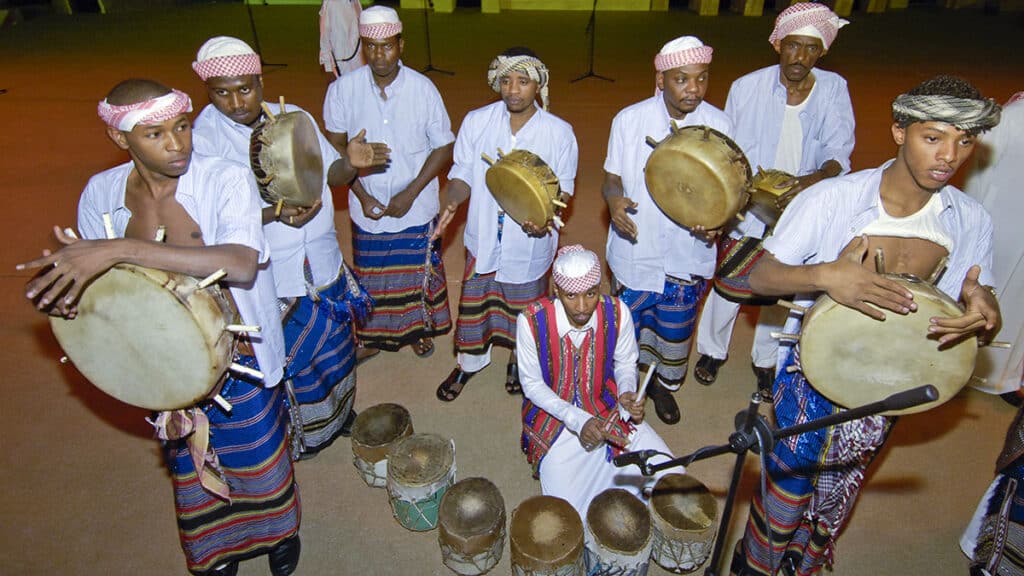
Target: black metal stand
256,36
754,433
427,7
592,31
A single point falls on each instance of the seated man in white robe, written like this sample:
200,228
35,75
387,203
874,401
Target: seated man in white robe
577,357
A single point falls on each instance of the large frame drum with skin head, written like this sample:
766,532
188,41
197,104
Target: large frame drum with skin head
150,338
685,514
853,359
618,535
284,152
698,177
524,186
421,468
546,538
471,526
373,432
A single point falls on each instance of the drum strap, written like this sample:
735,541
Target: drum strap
193,425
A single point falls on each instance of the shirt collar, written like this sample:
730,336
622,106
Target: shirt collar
390,89
566,327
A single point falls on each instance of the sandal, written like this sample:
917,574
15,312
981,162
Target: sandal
765,379
448,391
706,369
423,347
512,385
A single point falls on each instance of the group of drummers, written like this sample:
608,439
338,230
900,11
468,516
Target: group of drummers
213,199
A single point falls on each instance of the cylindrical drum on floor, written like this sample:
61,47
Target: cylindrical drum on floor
421,468
471,526
373,433
546,538
684,513
618,535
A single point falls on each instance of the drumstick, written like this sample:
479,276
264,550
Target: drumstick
792,306
251,372
642,392
108,226
211,278
242,328
277,209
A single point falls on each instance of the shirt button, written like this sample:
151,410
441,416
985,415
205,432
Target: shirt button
385,121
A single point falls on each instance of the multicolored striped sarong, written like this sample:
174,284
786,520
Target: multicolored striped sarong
664,324
1000,540
488,309
407,283
813,482
320,366
736,258
251,444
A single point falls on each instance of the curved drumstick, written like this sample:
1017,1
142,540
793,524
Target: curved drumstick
642,392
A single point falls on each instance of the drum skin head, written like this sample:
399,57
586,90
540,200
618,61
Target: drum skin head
684,503
523,186
545,532
377,427
472,508
420,459
619,521
134,339
287,150
853,359
698,177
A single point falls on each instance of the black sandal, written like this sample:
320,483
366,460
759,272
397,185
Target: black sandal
706,369
447,392
424,347
512,385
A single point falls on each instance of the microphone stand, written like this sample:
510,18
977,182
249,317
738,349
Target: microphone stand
256,36
428,5
592,30
753,432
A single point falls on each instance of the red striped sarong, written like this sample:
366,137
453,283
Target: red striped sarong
488,309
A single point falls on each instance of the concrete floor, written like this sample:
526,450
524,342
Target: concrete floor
84,489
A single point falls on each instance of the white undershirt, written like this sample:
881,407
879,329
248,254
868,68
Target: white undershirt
791,140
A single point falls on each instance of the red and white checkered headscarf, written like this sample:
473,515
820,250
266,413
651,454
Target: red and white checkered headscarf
682,51
379,22
576,269
147,112
224,56
807,19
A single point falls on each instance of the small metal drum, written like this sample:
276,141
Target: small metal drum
421,468
471,526
284,152
853,359
764,195
698,177
618,535
373,433
150,338
546,538
525,186
684,513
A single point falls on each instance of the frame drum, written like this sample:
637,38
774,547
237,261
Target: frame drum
284,152
764,194
421,467
524,186
373,432
546,538
471,526
853,359
150,338
698,177
618,535
684,513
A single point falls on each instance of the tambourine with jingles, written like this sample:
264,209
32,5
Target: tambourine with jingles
525,187
284,152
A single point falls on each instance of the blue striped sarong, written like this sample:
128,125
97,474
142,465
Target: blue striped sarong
813,481
488,309
664,324
251,444
407,284
320,366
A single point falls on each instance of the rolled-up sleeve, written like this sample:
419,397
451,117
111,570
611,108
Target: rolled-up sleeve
837,132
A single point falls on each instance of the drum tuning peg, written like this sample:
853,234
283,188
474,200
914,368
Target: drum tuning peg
265,181
707,132
674,127
652,142
220,401
263,139
270,115
558,222
280,100
211,279
784,336
939,269
488,159
71,233
879,260
500,153
245,370
792,306
108,226
278,208
740,217
792,368
64,360
161,231
1000,344
559,203
242,328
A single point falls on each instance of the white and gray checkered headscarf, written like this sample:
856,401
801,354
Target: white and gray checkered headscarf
967,114
532,67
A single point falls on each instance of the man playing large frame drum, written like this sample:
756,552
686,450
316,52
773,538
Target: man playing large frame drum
209,209
577,361
660,266
317,292
792,117
506,263
907,208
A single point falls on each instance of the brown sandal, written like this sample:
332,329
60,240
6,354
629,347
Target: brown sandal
424,347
